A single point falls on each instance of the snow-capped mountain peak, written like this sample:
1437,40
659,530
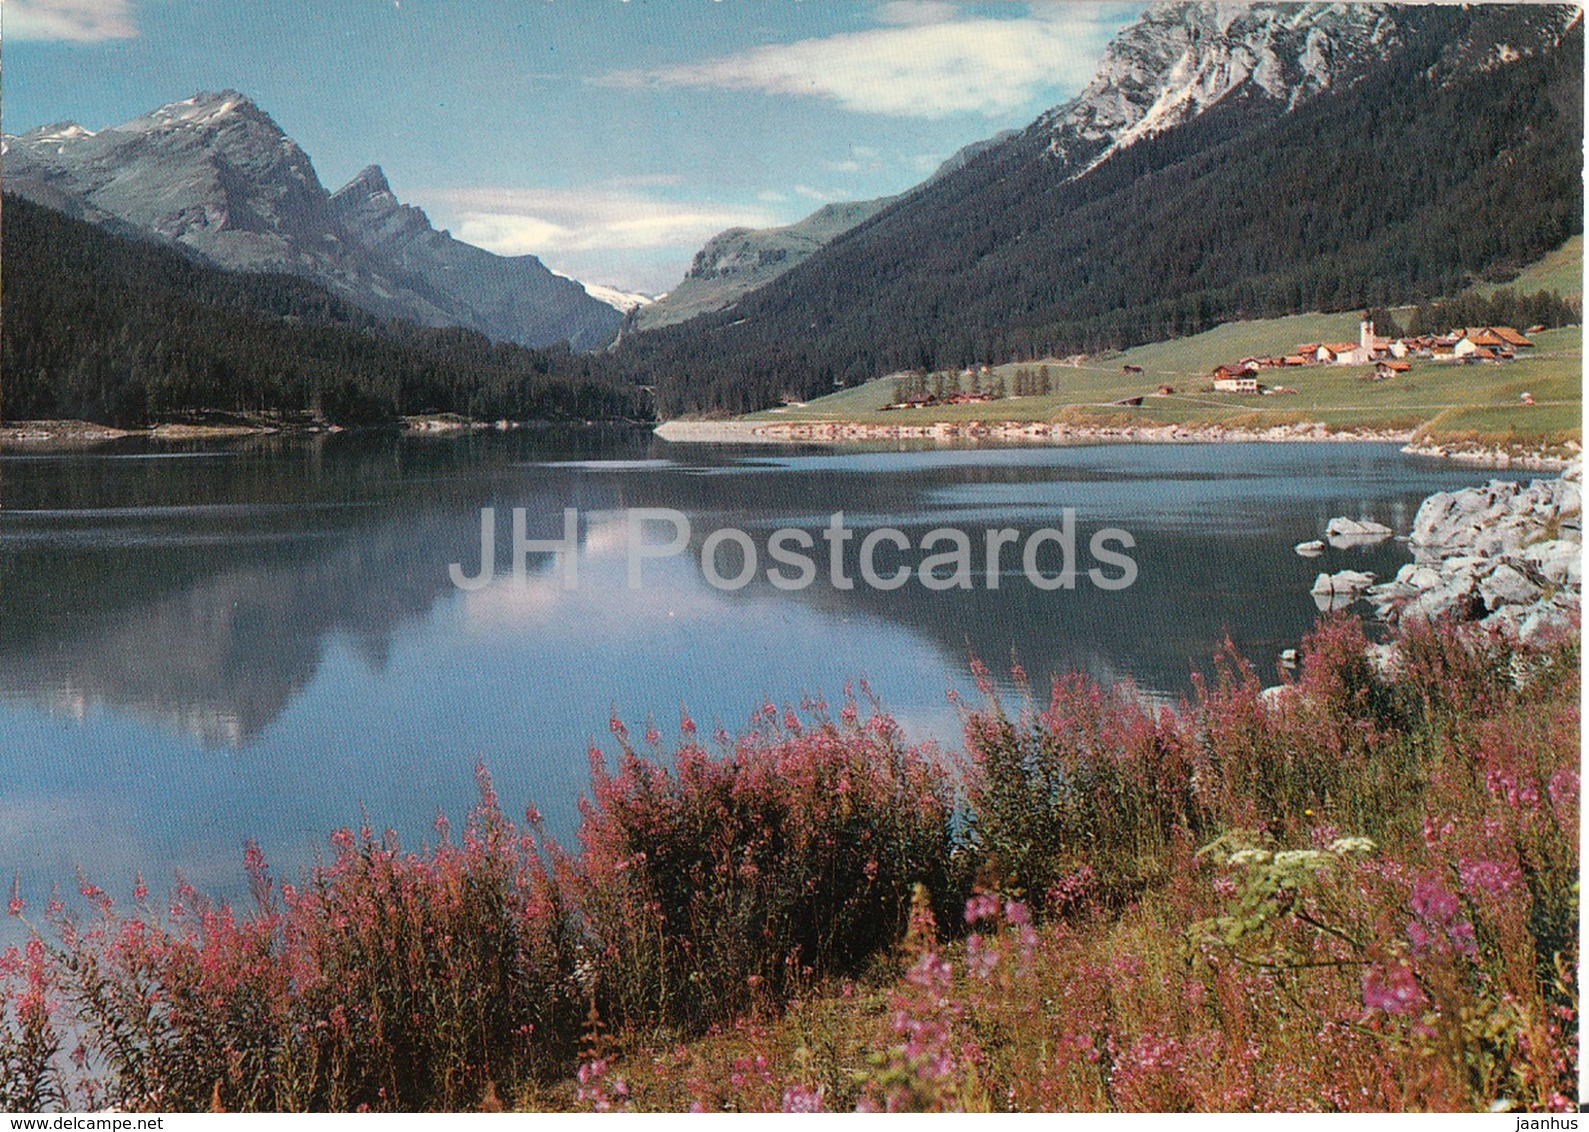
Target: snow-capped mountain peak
208,109
58,132
1182,58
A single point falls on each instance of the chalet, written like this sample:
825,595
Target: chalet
1476,354
1128,368
1233,379
1308,352
1511,338
1166,390
1384,369
1477,341
920,400
1294,360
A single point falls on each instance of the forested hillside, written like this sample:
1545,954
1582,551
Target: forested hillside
1449,162
123,331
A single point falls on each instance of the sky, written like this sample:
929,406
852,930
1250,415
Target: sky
611,138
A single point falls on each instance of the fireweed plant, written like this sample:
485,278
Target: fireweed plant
1357,891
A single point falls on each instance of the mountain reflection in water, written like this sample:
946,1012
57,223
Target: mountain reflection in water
287,599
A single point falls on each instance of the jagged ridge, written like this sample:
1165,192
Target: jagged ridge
216,174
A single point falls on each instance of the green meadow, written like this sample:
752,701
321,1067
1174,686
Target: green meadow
1480,403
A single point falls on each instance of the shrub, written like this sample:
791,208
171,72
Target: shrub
718,882
1096,780
29,1078
389,980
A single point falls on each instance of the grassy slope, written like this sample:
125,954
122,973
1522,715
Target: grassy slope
1477,402
1560,271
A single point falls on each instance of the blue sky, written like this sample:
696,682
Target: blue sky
609,137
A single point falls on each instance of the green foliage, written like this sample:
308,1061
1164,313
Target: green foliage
727,881
1270,882
1503,307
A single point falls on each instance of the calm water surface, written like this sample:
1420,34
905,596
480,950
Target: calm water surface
204,643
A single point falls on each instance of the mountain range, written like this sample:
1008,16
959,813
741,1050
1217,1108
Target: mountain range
1226,161
739,260
215,174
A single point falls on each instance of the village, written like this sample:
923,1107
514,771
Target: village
1389,357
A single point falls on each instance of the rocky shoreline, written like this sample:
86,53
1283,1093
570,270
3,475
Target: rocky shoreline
1041,432
786,432
67,435
1504,555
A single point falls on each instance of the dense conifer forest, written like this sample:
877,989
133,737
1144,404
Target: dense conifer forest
124,331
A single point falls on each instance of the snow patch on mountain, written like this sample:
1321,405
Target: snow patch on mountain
625,301
1182,58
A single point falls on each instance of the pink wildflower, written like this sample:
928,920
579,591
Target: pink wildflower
1491,878
798,1098
1391,989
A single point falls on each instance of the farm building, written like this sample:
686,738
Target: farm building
1234,383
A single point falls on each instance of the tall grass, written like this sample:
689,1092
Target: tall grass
1356,891
713,883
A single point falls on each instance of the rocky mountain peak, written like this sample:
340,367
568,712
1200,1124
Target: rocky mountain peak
368,184
368,205
1181,58
216,174
206,111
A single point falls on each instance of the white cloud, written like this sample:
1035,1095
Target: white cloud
557,221
78,21
928,63
909,12
623,237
